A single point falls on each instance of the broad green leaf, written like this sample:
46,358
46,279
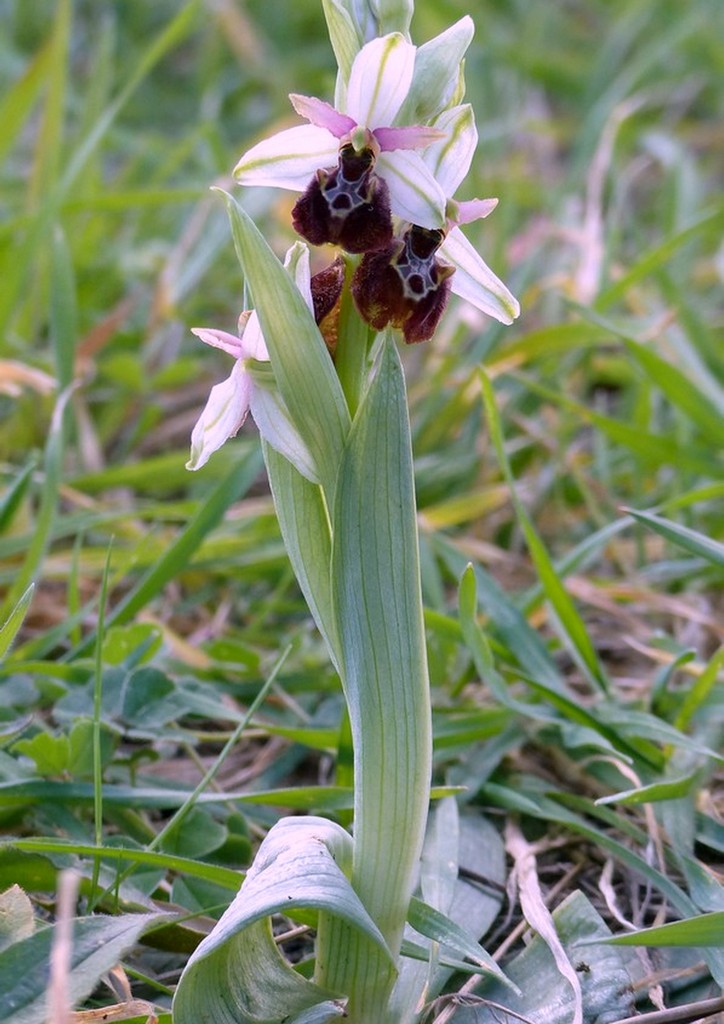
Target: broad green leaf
704,930
682,536
377,600
303,369
98,944
197,835
237,973
439,863
68,754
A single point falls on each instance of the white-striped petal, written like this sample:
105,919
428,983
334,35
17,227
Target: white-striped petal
225,411
380,79
415,195
475,282
288,159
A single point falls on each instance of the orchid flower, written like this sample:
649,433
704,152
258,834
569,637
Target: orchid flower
405,284
379,82
449,160
231,401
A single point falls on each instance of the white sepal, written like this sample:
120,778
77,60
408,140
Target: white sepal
438,67
450,158
475,282
224,414
380,78
415,195
288,159
275,426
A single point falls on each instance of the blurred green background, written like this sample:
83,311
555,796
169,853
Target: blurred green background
601,131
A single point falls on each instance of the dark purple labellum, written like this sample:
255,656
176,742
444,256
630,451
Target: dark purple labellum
404,285
326,286
348,206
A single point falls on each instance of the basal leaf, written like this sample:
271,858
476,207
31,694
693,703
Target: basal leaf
237,974
543,998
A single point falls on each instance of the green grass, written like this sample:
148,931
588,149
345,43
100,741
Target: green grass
578,688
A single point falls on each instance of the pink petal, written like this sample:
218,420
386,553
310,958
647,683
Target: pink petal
322,114
220,339
410,137
473,209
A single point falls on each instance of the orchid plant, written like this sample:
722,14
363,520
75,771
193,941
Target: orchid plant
317,366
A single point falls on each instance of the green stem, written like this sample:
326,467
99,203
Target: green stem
353,344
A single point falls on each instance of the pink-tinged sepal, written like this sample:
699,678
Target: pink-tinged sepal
229,343
322,114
